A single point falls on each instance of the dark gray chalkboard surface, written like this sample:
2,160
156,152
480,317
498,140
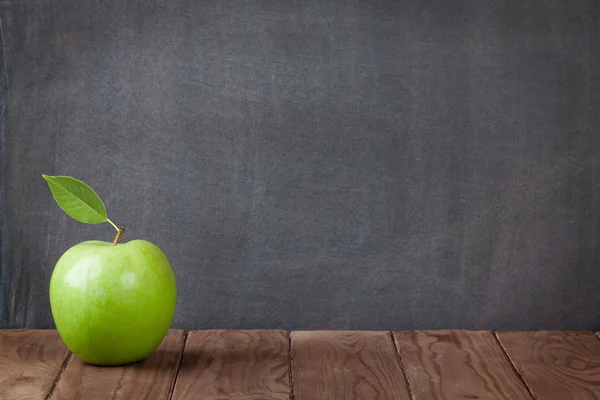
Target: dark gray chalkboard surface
314,164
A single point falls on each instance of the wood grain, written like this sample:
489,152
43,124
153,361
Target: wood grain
556,364
30,361
453,364
152,378
346,365
225,364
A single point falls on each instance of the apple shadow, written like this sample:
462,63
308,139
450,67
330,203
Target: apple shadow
160,359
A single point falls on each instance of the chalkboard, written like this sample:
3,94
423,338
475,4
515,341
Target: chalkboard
314,164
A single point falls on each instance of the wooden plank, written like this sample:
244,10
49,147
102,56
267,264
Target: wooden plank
30,362
225,364
152,378
346,365
453,364
556,364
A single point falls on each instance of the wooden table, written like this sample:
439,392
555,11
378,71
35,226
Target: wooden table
269,364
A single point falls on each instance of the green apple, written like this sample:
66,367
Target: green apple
113,303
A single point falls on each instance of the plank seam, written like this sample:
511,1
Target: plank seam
291,366
402,368
514,366
61,372
180,361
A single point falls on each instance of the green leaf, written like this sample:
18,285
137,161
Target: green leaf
77,199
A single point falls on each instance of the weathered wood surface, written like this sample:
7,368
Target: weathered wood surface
226,364
30,362
261,364
152,378
457,365
556,365
346,365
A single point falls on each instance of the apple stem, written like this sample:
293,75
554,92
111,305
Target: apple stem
119,233
113,224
